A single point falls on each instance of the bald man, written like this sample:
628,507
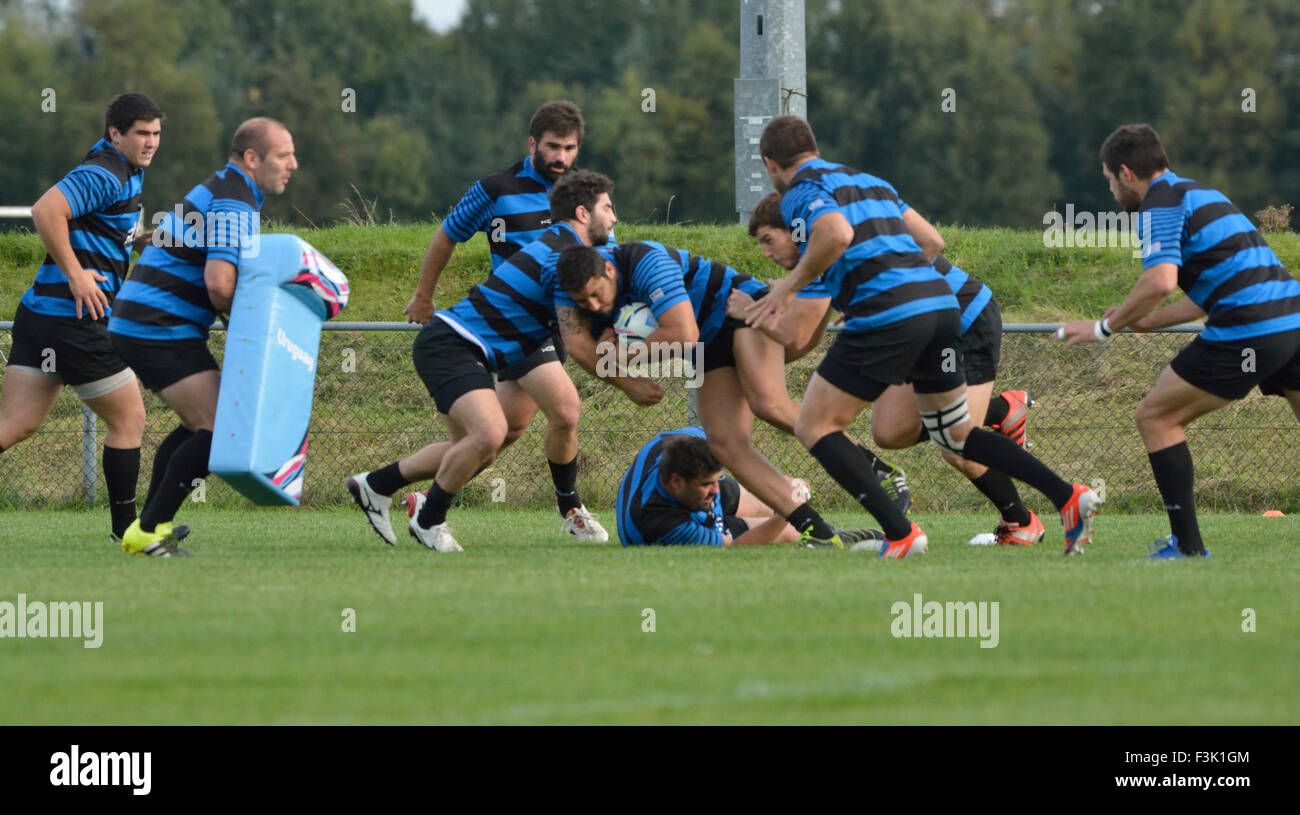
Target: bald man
161,317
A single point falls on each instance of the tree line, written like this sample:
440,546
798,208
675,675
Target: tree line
980,112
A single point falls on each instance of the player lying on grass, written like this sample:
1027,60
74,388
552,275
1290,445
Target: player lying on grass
901,325
1196,240
676,493
512,208
895,422
499,323
87,222
679,288
162,315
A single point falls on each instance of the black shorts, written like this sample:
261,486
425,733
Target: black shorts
1230,369
924,350
981,346
730,491
160,363
77,351
450,365
551,351
720,351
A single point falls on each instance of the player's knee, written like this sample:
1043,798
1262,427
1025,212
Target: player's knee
726,446
888,438
564,419
128,423
512,435
809,430
948,426
13,432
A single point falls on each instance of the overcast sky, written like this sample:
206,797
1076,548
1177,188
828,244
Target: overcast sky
440,14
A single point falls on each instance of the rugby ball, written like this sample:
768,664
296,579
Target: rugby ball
635,321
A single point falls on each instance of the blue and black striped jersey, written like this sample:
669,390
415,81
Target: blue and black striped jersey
708,284
1224,264
647,514
972,295
512,313
166,297
103,193
882,277
517,196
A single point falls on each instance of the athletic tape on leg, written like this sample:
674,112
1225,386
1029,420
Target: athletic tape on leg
939,424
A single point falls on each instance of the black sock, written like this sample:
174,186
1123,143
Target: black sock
162,455
1003,493
999,407
806,519
565,477
121,472
1175,475
435,507
843,459
999,452
924,437
872,459
189,464
387,480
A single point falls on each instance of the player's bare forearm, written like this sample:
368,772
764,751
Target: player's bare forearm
1149,292
831,235
420,308
575,331
1183,311
677,328
435,260
924,233
219,276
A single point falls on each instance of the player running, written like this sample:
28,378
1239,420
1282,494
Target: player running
88,223
1196,240
161,318
902,324
500,322
895,422
512,209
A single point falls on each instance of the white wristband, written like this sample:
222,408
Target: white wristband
1099,331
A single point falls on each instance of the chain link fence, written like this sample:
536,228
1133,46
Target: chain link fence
371,408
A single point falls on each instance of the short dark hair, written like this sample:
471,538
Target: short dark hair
577,188
767,213
254,134
126,109
560,118
786,137
687,456
1136,146
576,266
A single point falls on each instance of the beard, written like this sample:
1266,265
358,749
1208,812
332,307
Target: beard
551,174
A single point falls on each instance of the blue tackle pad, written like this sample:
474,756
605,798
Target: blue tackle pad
283,295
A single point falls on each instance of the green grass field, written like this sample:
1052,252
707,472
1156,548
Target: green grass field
527,627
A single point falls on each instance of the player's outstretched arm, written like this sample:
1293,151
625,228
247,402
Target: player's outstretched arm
421,307
1183,311
1152,288
51,214
831,235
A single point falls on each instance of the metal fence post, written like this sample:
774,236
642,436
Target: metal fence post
89,443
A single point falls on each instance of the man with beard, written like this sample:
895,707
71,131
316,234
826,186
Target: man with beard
512,209
1193,238
500,322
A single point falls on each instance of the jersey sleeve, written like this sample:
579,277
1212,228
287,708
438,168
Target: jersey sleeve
803,204
229,228
1160,231
681,528
89,188
471,214
655,278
